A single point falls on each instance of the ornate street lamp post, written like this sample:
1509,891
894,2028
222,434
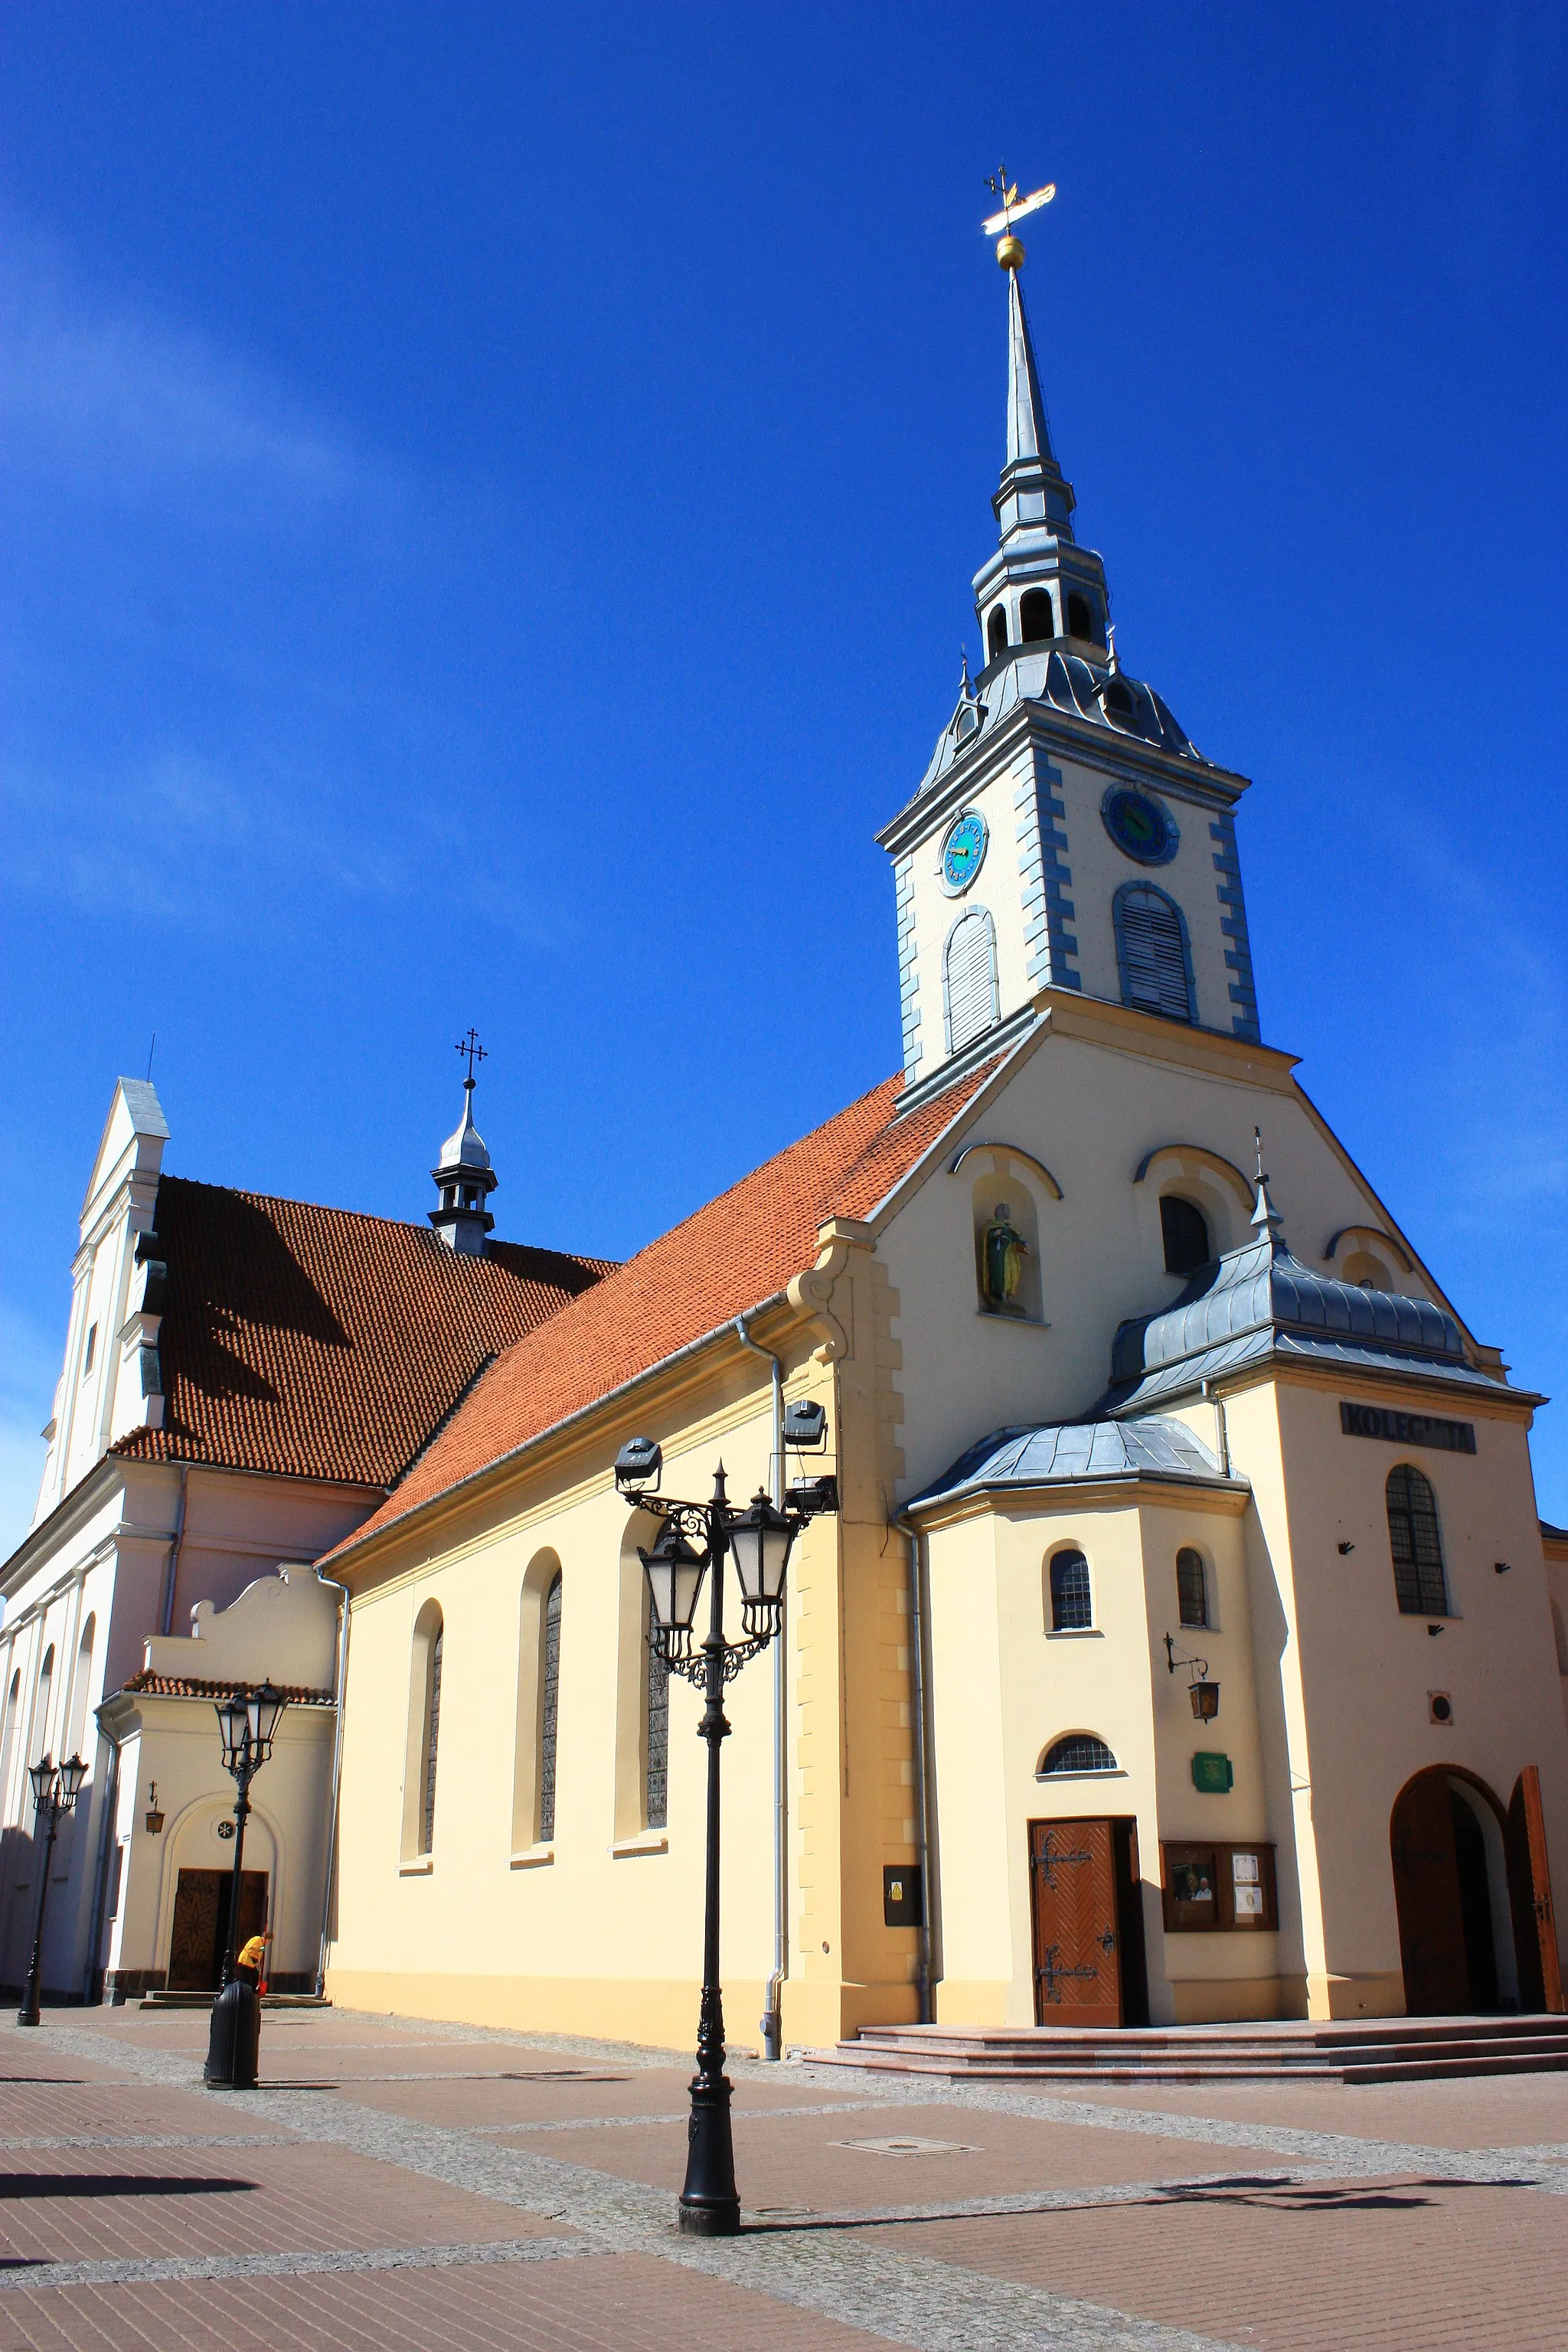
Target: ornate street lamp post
55,1788
695,1536
248,1722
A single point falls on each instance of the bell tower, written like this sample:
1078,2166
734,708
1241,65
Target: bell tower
463,1176
1067,832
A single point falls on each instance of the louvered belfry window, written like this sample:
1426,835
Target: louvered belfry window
969,979
1417,1548
1153,952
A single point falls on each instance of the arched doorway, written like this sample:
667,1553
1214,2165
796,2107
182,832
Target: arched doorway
1447,1836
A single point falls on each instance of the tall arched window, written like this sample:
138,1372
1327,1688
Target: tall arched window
1184,1231
81,1690
1192,1588
9,1739
41,1732
1036,617
1414,1540
656,1743
1071,1610
424,1734
1083,618
432,1744
549,1682
969,977
1152,953
996,633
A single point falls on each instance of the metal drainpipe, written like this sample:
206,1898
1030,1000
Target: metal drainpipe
771,2018
1222,1433
337,1780
166,1612
922,1764
105,1838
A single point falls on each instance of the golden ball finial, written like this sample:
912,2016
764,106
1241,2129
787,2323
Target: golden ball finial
1010,254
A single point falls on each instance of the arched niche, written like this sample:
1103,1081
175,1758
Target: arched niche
1215,1185
1008,1191
1367,1256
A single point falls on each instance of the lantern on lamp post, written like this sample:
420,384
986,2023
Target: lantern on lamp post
55,1788
247,1725
693,1540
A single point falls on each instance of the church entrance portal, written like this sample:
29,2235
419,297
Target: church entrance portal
1474,1900
1087,1912
201,1925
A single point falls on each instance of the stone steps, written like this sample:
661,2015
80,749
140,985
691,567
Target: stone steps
206,2000
1388,2051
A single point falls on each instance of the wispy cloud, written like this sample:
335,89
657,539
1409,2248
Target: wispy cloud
123,406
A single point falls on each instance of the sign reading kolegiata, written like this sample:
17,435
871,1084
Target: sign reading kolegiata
1407,1428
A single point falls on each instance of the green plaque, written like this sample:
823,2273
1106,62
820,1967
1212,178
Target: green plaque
1213,1773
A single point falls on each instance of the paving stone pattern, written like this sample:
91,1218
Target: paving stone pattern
409,2187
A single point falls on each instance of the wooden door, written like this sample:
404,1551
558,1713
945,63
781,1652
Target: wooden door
1072,1890
1427,1898
201,1925
1530,1898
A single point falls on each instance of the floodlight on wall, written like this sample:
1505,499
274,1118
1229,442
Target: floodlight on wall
639,1466
804,1426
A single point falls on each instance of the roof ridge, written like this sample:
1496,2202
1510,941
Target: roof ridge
371,1217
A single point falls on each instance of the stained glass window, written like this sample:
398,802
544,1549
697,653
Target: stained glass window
1416,1546
551,1679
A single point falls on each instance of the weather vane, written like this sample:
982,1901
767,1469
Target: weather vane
1010,252
471,1047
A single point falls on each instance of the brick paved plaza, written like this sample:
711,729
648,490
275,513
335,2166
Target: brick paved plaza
396,2184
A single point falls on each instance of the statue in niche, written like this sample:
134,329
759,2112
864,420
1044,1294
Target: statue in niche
1003,1255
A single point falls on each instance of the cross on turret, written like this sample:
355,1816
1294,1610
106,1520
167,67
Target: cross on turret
471,1047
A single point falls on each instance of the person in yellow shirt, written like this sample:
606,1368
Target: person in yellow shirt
248,1964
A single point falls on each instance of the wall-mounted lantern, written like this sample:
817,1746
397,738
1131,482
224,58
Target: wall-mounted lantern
153,1818
1204,1693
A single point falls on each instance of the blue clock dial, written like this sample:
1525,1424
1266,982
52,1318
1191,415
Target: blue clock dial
963,851
1140,825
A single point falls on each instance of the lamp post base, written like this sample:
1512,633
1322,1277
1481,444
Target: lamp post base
28,2017
234,2041
709,2204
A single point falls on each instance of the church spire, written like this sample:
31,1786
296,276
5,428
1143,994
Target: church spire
463,1175
1040,585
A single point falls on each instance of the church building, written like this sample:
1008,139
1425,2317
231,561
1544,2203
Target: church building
1185,1646
244,1380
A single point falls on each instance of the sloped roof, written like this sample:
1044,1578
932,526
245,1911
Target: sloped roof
736,1252
1259,1304
200,1687
320,1343
1073,1453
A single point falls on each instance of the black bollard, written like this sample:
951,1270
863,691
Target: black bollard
234,2041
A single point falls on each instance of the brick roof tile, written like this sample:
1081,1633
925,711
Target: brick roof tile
320,1343
733,1254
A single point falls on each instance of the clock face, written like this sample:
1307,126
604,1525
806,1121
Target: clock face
963,851
1139,826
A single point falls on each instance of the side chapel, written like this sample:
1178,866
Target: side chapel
1187,1647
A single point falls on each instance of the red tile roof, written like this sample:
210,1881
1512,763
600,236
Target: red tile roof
195,1686
321,1344
735,1252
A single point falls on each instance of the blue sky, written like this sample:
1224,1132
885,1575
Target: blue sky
488,500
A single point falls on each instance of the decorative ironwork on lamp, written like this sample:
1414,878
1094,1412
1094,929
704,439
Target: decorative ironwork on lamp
1204,1693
